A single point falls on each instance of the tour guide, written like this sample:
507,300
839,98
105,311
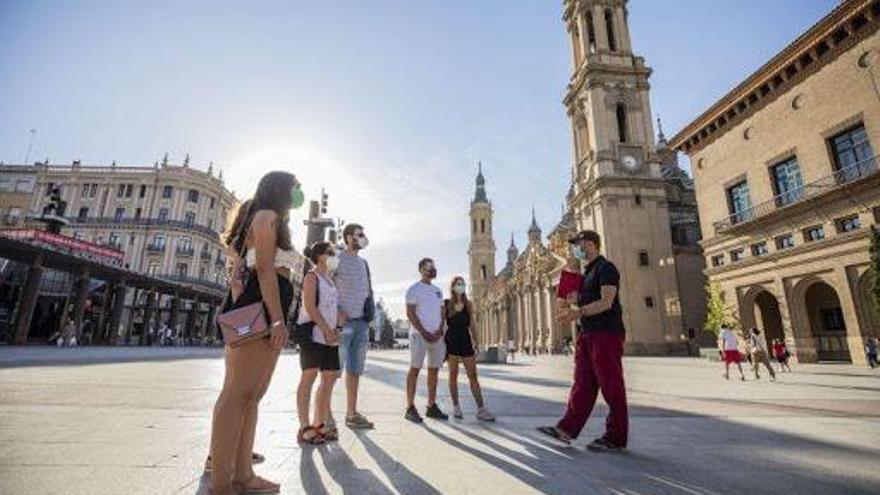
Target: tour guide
598,357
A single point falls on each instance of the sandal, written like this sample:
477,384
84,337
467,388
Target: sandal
255,459
554,432
330,433
257,485
316,439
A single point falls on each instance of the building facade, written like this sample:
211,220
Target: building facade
165,218
788,187
17,185
163,221
626,187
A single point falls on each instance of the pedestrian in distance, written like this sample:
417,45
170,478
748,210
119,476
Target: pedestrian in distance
780,352
758,345
728,345
871,352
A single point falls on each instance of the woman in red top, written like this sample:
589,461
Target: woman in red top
781,354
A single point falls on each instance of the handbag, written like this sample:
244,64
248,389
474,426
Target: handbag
302,332
247,323
244,324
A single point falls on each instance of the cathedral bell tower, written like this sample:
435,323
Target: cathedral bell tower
482,247
619,190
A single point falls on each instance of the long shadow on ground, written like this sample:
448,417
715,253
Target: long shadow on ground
672,451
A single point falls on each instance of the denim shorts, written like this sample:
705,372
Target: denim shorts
353,346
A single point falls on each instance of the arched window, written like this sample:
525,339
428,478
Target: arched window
482,226
475,226
621,122
483,272
609,28
591,33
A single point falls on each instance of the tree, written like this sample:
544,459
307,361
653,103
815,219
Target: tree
718,314
874,268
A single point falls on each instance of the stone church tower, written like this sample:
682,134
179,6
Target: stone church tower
482,247
618,183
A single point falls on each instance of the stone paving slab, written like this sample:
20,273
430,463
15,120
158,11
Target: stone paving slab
132,420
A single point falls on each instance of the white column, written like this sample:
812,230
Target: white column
551,331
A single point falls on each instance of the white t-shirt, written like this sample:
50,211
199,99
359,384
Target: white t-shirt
758,343
729,339
428,300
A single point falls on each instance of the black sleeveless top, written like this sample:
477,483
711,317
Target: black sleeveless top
458,335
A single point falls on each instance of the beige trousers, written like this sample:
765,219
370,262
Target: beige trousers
759,357
248,373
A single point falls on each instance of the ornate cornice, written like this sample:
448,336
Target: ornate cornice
843,28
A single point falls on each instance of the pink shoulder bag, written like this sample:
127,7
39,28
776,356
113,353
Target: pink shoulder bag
245,324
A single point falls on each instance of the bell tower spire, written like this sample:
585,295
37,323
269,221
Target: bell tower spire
619,189
481,252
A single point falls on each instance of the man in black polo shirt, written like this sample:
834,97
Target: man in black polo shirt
599,353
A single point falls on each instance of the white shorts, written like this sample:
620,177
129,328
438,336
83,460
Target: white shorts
419,347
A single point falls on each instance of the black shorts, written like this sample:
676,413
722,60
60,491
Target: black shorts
313,355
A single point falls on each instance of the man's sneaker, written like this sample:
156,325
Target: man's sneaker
331,422
456,412
604,445
483,414
434,412
359,422
412,414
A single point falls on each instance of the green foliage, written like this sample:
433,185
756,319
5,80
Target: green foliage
718,314
874,268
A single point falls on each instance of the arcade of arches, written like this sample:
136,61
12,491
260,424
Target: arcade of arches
820,318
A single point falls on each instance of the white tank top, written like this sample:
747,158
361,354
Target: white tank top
289,259
327,304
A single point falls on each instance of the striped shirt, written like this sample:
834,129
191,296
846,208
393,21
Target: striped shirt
353,284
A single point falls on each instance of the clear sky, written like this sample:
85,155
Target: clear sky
388,104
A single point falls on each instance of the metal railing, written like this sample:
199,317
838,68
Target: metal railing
205,256
155,248
185,279
145,222
853,173
185,251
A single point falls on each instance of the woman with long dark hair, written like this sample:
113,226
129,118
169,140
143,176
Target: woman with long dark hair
263,262
460,348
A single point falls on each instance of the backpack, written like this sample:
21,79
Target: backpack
302,332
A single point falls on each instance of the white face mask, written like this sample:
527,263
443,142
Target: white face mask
460,289
332,263
363,242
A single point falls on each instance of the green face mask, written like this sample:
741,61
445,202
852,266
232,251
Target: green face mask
297,198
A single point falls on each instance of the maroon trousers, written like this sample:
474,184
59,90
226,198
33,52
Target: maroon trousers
598,367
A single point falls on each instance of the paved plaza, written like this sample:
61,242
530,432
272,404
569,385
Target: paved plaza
136,421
